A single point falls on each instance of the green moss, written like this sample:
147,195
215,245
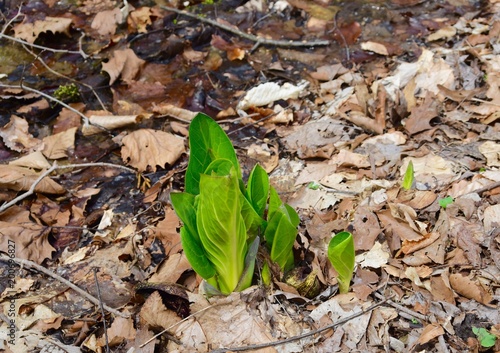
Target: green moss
67,93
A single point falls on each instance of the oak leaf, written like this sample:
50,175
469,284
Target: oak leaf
147,148
30,31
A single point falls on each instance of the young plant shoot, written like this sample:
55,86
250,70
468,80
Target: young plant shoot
222,218
341,255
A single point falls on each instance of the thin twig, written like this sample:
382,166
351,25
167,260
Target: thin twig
299,337
17,40
49,97
402,308
84,294
253,38
56,167
101,305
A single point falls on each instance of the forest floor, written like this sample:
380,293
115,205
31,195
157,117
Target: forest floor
336,100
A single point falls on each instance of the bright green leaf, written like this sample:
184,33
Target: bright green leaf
222,228
196,255
446,202
485,338
313,185
207,142
274,202
246,277
258,189
409,176
341,255
280,235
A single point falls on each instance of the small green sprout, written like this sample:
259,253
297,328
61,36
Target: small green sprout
485,338
313,185
446,202
409,177
341,255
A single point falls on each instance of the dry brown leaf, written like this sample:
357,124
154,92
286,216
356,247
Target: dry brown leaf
173,111
35,160
30,239
155,314
442,33
147,148
410,246
172,269
491,151
110,122
491,218
470,289
57,146
402,230
124,63
422,115
21,179
121,330
375,47
105,22
16,136
139,19
30,31
422,199
430,332
441,289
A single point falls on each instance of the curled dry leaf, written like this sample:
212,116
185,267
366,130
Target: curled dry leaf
147,148
30,31
110,122
124,63
16,136
270,92
31,240
470,289
105,22
21,179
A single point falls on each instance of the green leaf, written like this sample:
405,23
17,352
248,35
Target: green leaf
280,235
184,206
313,185
274,203
196,255
486,339
207,142
221,227
409,176
246,277
253,222
341,255
258,189
446,202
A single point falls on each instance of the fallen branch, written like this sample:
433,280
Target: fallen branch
84,294
256,39
402,308
299,337
20,41
56,167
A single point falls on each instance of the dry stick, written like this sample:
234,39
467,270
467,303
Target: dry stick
101,305
90,298
402,308
299,337
257,40
50,170
17,40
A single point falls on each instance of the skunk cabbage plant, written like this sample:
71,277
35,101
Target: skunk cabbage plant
223,219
